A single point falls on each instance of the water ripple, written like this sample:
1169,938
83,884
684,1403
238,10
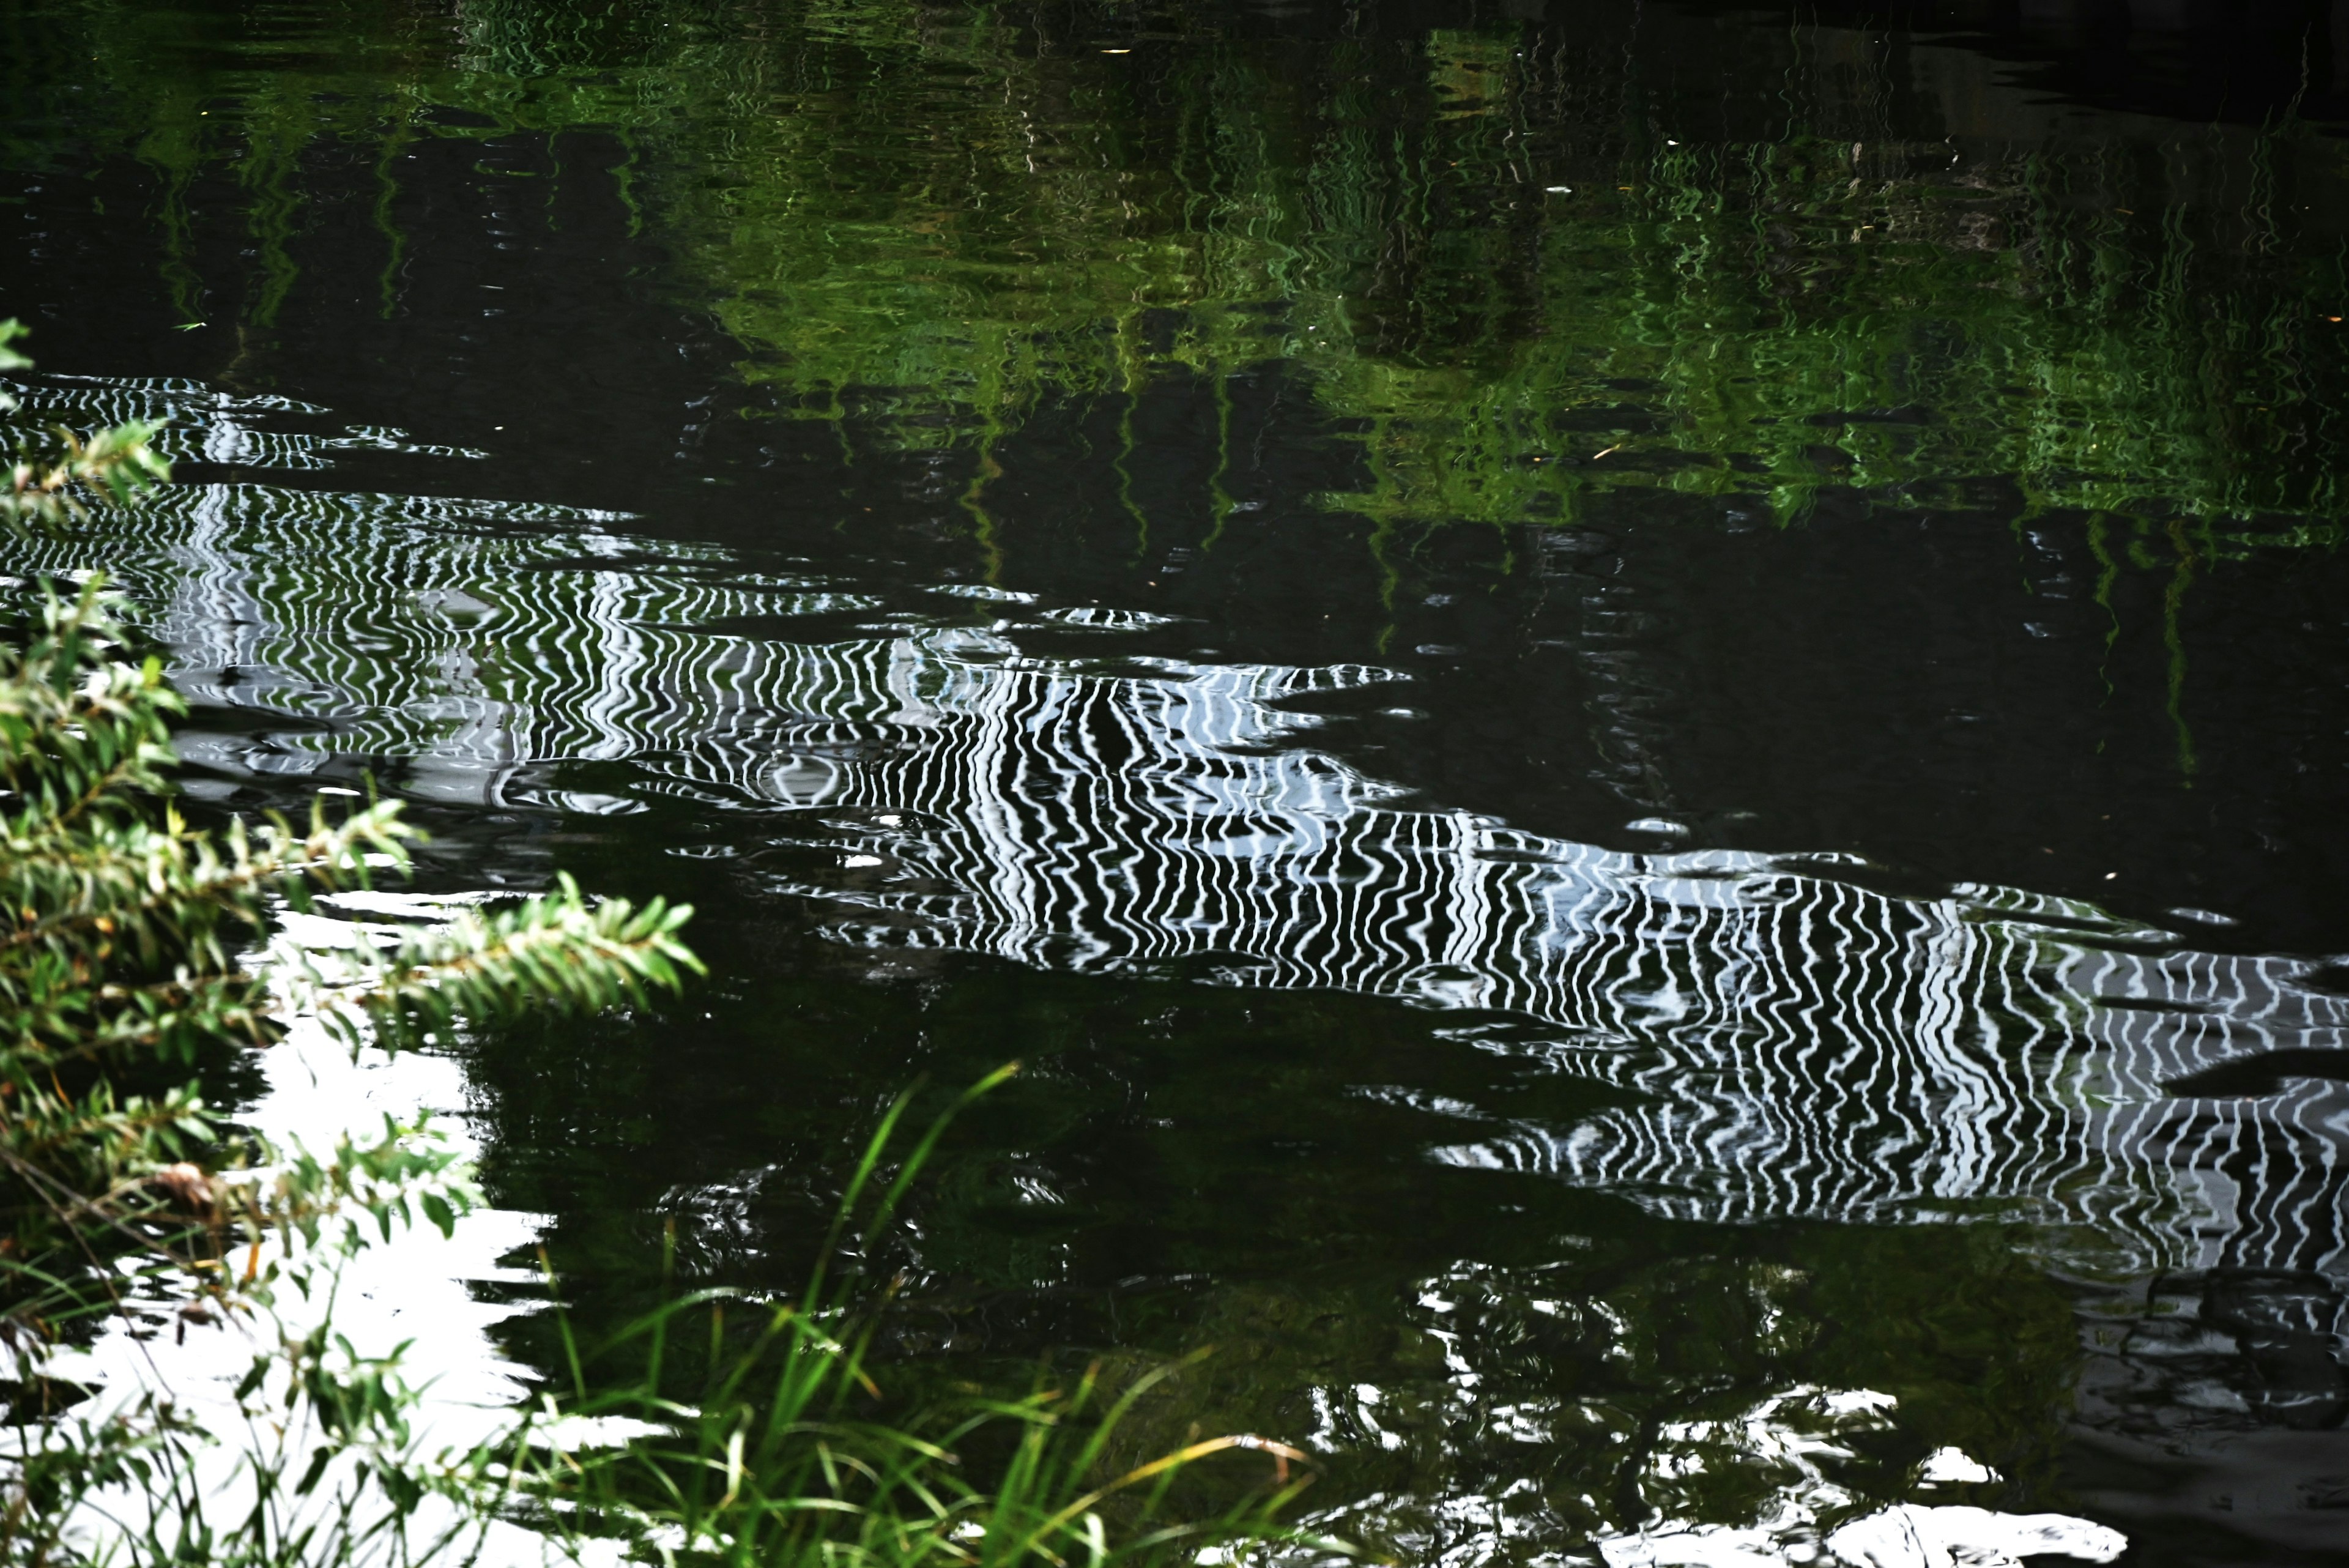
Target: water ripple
1789,1044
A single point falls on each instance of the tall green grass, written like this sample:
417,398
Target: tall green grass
769,1448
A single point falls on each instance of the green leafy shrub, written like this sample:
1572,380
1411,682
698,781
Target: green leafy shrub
49,487
120,946
767,1454
121,937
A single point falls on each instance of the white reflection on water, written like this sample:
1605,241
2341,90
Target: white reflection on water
1796,1436
1797,1045
415,1292
1522,1410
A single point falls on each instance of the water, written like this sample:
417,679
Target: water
1637,713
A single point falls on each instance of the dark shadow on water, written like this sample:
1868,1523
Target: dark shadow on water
2265,1074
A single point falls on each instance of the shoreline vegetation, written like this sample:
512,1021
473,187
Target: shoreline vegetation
141,955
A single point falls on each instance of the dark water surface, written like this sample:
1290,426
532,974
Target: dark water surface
1641,713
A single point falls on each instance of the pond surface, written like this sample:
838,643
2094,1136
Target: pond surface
1640,714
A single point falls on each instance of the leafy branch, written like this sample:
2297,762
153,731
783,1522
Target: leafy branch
54,487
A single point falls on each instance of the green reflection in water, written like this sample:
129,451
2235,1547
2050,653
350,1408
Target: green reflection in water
1485,251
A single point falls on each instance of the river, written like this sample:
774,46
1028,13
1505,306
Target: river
1638,712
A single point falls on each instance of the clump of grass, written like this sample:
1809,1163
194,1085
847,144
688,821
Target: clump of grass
773,1460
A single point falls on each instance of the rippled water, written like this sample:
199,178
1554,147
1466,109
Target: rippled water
1639,714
